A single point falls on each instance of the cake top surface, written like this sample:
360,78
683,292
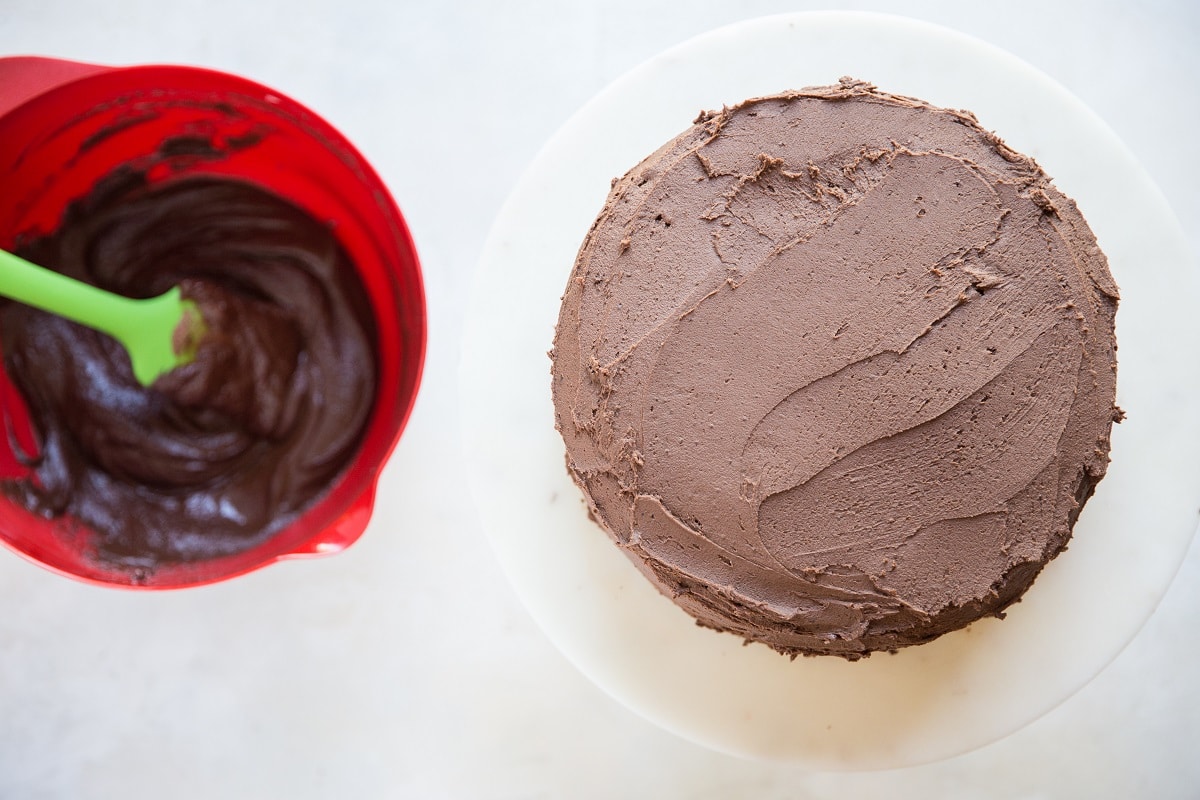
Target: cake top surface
836,368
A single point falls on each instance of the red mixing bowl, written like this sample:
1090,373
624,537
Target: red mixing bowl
65,125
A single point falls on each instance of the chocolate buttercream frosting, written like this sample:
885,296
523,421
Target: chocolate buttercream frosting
836,369
219,454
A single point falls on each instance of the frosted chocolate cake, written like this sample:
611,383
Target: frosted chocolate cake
836,369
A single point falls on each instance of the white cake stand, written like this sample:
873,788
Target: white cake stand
929,702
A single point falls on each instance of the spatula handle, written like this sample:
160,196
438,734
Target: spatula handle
51,291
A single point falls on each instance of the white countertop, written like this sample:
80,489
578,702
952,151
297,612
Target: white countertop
405,667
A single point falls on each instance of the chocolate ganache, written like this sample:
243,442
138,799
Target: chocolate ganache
836,369
221,453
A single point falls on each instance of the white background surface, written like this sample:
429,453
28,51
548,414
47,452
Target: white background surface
405,667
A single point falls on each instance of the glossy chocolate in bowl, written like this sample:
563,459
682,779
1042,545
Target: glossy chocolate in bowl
219,454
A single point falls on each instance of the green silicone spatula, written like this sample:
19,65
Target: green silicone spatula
160,333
